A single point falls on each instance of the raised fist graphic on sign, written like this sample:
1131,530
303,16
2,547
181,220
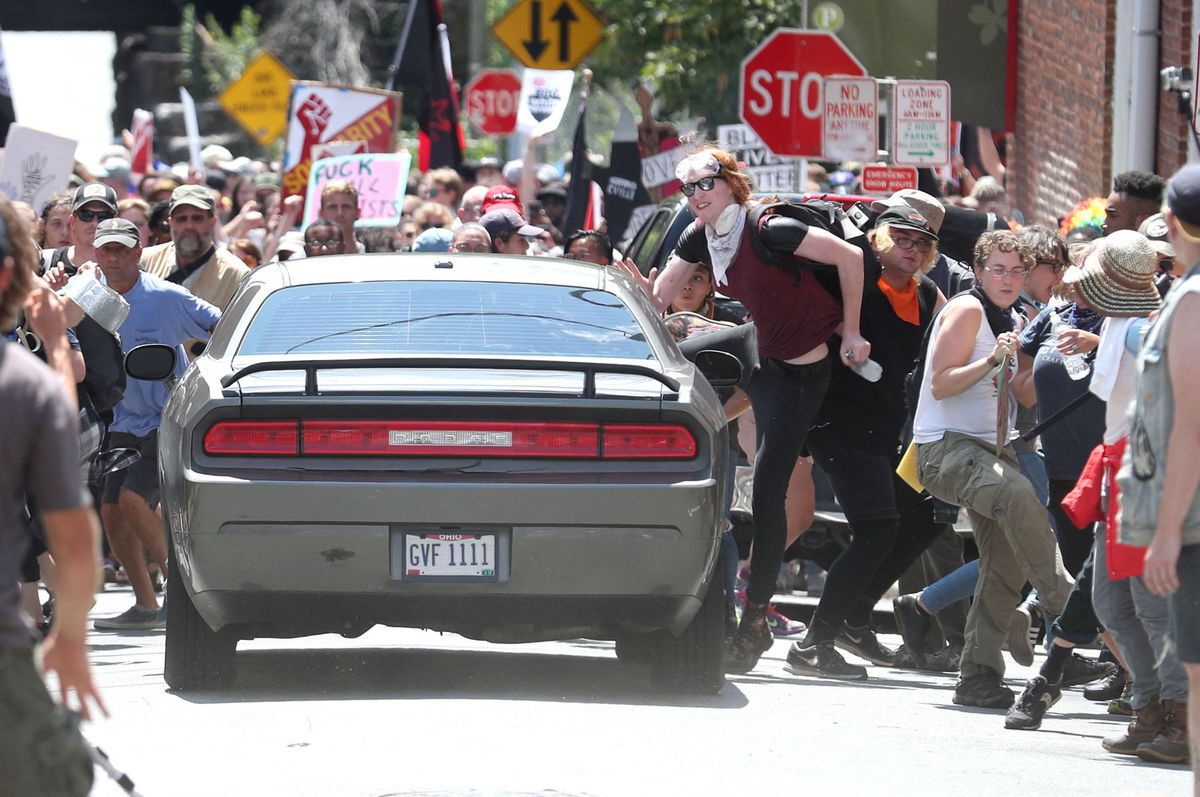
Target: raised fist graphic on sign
314,115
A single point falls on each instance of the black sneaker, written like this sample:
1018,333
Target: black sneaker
863,643
914,623
1037,698
1080,670
983,690
944,660
823,661
1111,688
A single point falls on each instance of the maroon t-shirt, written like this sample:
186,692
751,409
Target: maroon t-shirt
793,314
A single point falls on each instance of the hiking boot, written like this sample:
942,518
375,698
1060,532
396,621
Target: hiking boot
1032,705
1170,746
914,623
863,643
753,638
984,689
1147,722
1081,670
135,618
822,660
1111,688
945,660
1020,637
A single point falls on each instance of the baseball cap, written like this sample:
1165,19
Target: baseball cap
94,192
435,239
1155,230
905,218
197,196
505,222
1183,198
502,197
925,204
121,231
557,190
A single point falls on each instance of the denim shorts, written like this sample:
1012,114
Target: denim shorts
1184,606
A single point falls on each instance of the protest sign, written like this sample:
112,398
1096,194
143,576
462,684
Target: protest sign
36,164
768,172
544,95
142,131
319,113
192,126
331,149
380,179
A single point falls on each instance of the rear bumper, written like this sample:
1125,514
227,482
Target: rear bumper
294,558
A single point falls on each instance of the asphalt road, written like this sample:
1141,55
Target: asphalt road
404,712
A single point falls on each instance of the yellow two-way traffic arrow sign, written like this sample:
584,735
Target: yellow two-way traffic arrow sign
550,34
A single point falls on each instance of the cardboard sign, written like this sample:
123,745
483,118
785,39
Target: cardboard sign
769,172
660,169
381,180
319,113
544,95
36,165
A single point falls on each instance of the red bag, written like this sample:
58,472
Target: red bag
1124,561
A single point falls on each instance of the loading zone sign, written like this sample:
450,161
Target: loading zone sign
922,123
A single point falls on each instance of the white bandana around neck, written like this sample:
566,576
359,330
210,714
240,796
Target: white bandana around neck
723,240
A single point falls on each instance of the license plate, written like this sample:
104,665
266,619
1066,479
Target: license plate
450,554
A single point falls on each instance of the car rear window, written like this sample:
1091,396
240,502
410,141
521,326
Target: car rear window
445,318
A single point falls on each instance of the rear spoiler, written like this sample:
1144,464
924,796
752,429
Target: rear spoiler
589,369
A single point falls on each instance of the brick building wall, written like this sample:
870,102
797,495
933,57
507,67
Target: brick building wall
1175,49
1063,140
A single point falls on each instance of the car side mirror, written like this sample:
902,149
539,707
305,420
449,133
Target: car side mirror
152,362
720,368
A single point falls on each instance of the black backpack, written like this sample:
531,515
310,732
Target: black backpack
828,216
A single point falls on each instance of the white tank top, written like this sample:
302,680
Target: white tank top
972,412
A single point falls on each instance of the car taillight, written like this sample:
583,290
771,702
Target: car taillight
263,438
648,441
451,439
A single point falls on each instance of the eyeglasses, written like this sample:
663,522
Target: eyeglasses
1055,265
1016,273
88,216
922,244
704,184
330,244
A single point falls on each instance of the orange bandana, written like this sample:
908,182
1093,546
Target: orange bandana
904,302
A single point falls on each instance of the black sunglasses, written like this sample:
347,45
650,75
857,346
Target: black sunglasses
704,184
88,216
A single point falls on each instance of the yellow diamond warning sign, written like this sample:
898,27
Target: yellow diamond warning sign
550,34
258,100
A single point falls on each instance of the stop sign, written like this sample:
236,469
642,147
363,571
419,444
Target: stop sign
491,99
780,90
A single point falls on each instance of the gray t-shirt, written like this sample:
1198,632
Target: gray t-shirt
39,438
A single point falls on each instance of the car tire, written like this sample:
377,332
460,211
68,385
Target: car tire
694,661
635,648
196,656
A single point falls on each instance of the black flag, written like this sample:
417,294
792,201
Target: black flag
579,195
423,60
8,114
623,189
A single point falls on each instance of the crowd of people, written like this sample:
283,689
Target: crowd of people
1040,387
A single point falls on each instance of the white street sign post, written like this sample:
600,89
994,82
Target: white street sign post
921,123
850,119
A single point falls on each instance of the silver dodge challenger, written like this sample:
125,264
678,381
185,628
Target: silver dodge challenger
511,449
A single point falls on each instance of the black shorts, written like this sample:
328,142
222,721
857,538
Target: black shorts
1184,606
142,476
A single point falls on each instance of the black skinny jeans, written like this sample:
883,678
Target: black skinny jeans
890,523
1074,543
785,399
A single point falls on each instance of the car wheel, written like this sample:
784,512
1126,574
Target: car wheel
694,661
635,648
197,657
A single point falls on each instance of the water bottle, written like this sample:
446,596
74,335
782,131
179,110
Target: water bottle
868,369
1076,364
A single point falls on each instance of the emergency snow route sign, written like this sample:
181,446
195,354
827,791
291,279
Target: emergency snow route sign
922,123
850,119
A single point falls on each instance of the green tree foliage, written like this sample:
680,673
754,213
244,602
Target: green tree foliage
215,57
688,54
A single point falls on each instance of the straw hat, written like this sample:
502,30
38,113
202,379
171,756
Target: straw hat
1119,282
